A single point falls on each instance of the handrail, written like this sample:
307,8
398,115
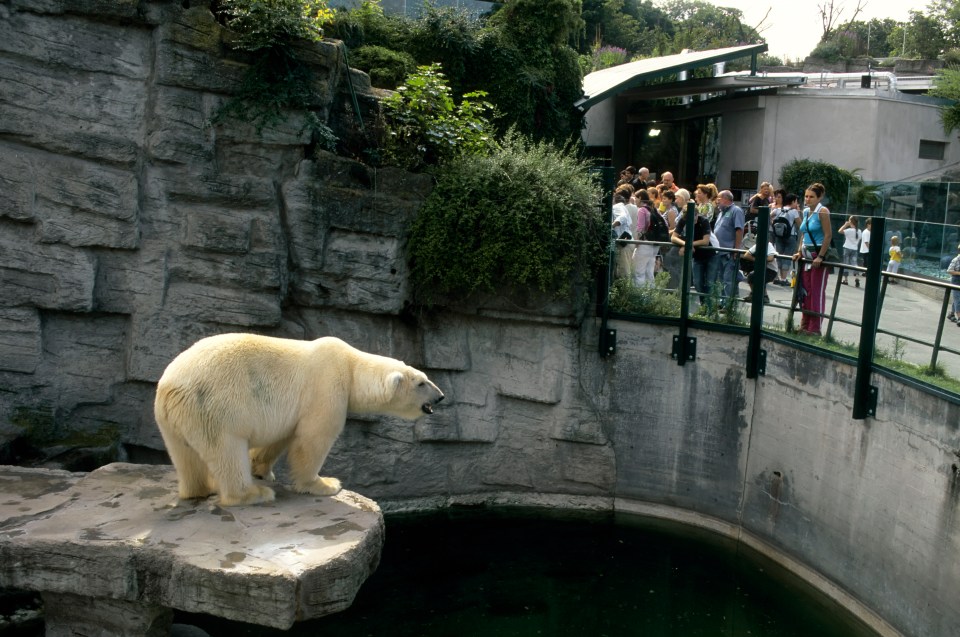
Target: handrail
875,287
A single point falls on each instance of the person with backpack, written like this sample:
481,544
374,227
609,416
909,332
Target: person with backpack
650,225
784,223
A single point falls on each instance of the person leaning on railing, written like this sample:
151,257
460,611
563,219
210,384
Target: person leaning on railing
704,257
815,237
954,271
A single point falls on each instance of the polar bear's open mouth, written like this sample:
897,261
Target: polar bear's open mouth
427,408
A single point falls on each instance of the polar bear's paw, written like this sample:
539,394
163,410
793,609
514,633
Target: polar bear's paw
264,472
254,494
321,486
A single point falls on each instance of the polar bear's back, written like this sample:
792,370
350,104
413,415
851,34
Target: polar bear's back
242,381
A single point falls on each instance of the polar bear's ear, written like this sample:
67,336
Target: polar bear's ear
393,383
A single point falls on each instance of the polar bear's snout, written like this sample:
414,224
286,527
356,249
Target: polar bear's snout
435,396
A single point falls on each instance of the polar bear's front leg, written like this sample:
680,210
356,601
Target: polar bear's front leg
305,462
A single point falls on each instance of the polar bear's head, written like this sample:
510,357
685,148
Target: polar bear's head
411,394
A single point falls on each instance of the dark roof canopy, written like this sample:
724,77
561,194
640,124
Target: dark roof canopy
600,85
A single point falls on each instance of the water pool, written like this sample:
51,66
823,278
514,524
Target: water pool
507,572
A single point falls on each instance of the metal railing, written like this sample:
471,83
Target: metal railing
876,282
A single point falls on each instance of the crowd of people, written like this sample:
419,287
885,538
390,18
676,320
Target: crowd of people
648,210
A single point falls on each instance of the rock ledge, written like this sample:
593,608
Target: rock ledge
114,550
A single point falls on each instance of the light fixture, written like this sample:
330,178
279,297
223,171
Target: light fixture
654,132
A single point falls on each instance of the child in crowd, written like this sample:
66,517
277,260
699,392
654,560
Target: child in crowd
954,271
896,255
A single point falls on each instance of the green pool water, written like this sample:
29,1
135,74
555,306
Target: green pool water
507,572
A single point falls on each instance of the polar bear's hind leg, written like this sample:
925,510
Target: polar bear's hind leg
230,467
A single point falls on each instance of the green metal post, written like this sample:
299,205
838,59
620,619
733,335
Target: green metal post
936,343
681,350
865,395
754,352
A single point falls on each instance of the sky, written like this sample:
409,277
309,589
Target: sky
794,27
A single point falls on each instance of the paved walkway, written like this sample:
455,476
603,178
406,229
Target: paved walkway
906,310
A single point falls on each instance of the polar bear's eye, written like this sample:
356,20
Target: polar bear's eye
422,384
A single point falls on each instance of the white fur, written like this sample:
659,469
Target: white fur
236,400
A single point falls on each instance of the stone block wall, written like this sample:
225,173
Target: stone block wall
130,225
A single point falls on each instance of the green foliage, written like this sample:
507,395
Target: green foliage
520,57
797,174
523,216
828,51
368,24
277,80
857,39
542,25
266,24
627,24
925,38
532,73
656,299
700,26
606,56
426,127
765,59
452,38
386,68
948,86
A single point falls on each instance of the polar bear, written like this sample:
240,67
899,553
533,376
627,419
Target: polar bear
235,402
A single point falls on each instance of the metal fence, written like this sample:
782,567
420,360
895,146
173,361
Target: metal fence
915,318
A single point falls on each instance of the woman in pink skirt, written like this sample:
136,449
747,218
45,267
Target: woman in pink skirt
815,235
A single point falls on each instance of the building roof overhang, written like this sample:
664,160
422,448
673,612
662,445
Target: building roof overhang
600,85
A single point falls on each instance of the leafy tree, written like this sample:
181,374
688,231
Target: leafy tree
947,14
540,24
532,71
924,38
853,39
452,38
700,26
607,23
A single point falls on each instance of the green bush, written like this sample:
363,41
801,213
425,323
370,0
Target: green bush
655,299
264,24
524,216
797,174
387,68
367,24
829,51
426,127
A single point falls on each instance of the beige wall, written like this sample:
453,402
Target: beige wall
852,129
